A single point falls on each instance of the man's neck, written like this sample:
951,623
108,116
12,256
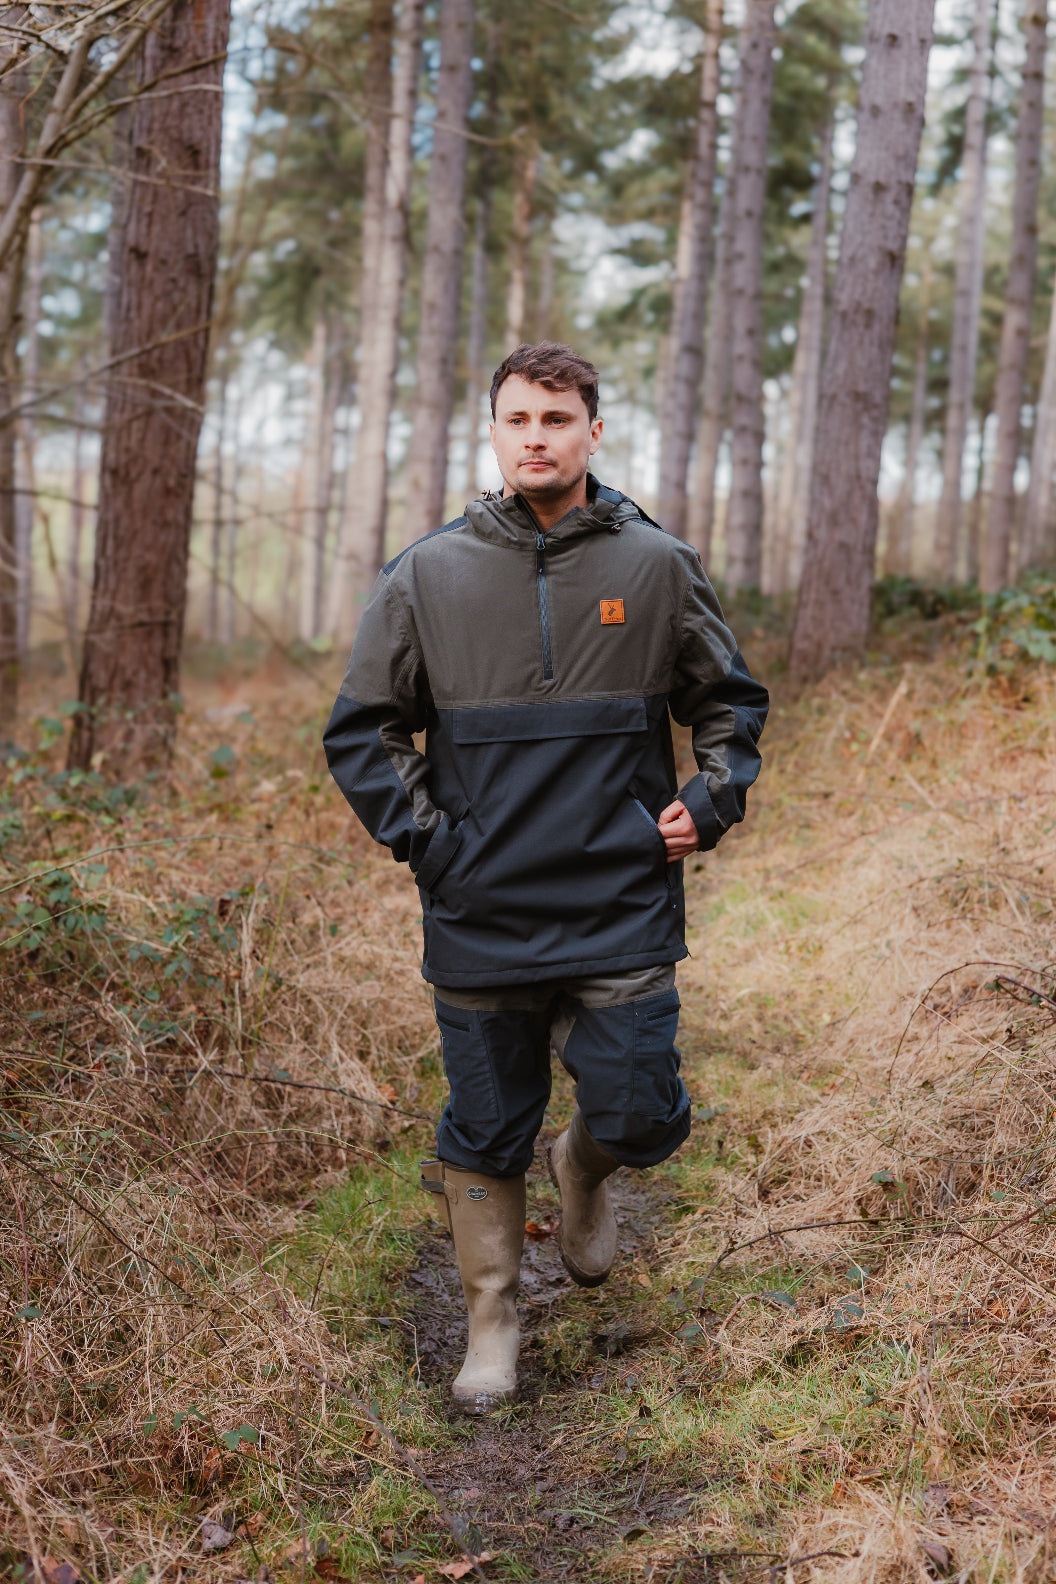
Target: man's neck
550,511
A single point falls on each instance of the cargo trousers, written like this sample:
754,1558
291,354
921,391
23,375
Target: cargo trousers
615,1036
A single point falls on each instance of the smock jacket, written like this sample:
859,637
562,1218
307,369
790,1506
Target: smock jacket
542,668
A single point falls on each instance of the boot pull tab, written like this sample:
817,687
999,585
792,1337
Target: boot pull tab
433,1181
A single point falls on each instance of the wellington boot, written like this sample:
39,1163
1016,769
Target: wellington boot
587,1237
486,1218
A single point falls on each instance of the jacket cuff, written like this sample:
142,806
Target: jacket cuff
443,845
697,799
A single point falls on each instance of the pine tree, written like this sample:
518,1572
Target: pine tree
131,663
832,617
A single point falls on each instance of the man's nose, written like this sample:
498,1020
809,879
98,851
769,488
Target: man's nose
536,437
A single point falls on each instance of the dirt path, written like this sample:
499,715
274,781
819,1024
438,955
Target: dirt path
519,1479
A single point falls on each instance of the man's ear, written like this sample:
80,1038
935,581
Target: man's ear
595,435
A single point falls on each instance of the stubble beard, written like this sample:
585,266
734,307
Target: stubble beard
550,488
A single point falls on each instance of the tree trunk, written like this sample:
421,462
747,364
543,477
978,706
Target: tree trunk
216,540
319,469
1019,301
25,463
681,392
228,609
967,298
73,573
899,550
974,536
526,170
701,515
381,331
832,617
1043,458
791,524
347,572
441,275
130,669
744,517
14,90
475,336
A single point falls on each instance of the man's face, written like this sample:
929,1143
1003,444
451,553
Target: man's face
543,440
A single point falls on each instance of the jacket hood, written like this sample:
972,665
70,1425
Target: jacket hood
510,519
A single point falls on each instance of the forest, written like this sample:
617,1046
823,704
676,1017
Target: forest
258,262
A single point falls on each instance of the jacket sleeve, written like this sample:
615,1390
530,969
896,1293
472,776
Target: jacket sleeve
369,744
726,708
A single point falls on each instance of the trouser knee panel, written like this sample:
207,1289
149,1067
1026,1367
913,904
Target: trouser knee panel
626,1065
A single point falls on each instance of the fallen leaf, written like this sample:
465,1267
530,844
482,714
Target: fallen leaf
459,1569
938,1554
539,1231
643,1280
59,1572
387,1092
839,1491
214,1536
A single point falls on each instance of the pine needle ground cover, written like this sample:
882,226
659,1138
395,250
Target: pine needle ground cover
229,1315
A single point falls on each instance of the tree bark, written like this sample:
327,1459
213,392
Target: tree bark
701,515
381,331
77,505
526,170
26,472
1043,458
899,550
130,668
1019,301
791,524
216,540
475,335
228,609
319,469
441,275
744,516
974,536
690,291
14,90
346,571
967,298
832,618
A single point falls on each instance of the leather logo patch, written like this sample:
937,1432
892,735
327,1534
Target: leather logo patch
476,1192
612,613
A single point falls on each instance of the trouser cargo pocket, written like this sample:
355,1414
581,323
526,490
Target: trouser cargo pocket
498,1071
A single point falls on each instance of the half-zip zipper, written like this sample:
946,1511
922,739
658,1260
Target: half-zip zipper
544,605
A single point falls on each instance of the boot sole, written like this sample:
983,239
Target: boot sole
580,1277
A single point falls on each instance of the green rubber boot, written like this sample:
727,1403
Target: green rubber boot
579,1169
486,1219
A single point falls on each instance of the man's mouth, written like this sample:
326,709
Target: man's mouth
536,462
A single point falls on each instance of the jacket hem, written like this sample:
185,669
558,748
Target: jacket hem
484,978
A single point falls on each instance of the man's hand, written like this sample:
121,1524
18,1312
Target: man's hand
678,830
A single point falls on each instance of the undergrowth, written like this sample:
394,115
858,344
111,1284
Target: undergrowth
828,1354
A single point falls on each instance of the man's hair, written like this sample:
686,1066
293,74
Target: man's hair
554,365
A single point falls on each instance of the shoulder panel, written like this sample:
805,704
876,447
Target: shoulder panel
456,522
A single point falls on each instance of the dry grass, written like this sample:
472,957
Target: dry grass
866,1017
195,1027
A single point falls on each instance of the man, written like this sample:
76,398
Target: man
540,641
